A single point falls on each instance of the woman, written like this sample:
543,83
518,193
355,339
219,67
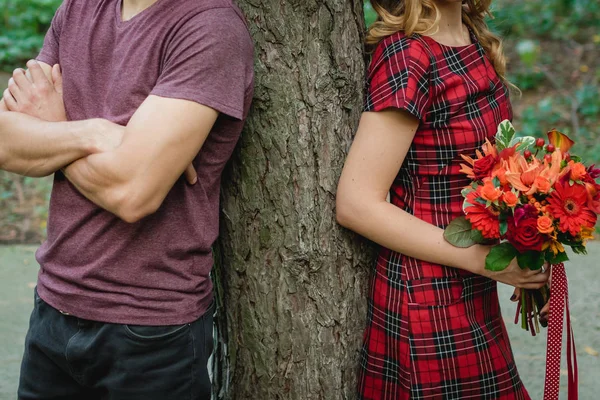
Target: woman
436,89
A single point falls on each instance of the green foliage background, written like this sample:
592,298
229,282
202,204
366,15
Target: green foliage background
553,47
22,29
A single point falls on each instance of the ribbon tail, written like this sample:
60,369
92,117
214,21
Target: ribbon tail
571,357
558,304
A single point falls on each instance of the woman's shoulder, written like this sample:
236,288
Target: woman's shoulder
400,47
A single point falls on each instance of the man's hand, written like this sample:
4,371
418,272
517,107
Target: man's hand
32,93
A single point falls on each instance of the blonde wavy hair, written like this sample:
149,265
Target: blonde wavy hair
423,17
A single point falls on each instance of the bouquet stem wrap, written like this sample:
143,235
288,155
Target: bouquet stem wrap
559,302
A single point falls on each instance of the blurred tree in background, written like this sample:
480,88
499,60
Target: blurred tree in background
553,48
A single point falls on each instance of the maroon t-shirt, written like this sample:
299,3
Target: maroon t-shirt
156,271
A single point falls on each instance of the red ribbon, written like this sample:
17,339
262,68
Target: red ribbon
559,301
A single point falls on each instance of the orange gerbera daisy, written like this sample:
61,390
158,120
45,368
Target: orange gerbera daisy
482,218
568,204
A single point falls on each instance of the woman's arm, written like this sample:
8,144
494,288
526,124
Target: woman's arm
381,144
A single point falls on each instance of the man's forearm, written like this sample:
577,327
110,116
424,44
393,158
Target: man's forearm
32,147
103,179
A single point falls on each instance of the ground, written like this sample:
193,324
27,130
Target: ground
18,273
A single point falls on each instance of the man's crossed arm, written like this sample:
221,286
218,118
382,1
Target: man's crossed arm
131,179
31,146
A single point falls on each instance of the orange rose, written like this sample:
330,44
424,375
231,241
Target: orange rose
500,173
543,184
545,224
577,170
510,199
489,192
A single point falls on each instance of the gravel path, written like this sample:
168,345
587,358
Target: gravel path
18,272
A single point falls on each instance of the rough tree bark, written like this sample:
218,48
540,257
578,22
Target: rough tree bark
293,281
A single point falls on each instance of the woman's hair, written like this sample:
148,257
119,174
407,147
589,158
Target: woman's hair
423,17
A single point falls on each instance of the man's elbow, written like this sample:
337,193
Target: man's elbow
132,207
135,212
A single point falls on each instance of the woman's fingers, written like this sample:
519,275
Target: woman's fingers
516,295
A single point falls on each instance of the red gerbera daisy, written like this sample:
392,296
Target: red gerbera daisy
569,205
482,218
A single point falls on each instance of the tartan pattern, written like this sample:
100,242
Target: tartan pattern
435,332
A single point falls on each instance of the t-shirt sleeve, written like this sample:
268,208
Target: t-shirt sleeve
49,52
399,78
208,61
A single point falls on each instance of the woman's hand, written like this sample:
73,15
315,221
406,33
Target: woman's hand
545,311
513,274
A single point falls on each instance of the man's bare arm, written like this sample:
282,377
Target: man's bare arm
36,147
32,147
161,139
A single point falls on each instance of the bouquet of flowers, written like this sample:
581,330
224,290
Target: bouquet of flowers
529,199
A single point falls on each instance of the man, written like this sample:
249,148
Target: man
123,302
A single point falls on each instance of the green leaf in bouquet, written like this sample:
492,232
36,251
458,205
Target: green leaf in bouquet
477,236
531,259
525,143
466,191
506,133
556,259
575,158
500,256
465,205
579,249
481,200
503,228
458,233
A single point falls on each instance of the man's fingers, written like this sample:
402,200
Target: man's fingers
190,175
21,80
14,90
57,78
37,73
9,100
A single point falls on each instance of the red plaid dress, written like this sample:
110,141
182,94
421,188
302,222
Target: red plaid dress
435,332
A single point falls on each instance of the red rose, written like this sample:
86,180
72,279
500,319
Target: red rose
482,167
525,236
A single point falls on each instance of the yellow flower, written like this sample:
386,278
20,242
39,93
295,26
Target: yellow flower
586,234
554,245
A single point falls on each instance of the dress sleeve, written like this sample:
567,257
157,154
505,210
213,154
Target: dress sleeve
399,77
49,52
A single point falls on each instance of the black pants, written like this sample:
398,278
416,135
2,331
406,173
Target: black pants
68,358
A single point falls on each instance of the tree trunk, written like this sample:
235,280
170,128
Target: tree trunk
294,281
